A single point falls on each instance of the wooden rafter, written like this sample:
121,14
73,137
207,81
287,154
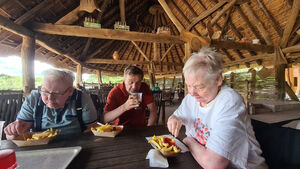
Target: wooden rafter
290,24
164,56
241,46
205,14
222,12
246,20
103,33
170,14
15,28
274,23
258,24
139,49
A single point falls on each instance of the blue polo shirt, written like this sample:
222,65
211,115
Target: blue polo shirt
64,119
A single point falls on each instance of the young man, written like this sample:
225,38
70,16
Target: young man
55,105
122,105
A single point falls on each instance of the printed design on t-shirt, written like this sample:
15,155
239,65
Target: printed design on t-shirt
201,130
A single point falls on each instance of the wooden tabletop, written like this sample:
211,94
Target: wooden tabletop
127,150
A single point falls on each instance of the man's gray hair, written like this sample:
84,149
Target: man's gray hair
206,59
133,70
60,74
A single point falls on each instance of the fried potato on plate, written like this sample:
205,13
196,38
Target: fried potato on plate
166,145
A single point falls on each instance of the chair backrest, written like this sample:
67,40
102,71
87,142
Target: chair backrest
157,98
280,145
10,105
99,105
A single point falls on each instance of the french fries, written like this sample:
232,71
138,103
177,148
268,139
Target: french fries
46,134
106,128
165,144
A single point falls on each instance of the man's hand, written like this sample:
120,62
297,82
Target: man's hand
132,102
174,125
16,128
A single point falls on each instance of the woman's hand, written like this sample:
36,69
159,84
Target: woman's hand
174,125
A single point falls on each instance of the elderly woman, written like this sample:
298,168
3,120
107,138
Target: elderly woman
56,105
218,129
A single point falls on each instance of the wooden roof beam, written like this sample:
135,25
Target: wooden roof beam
122,10
241,46
222,12
15,28
129,62
139,49
79,31
244,17
258,24
168,11
274,23
205,14
290,24
169,49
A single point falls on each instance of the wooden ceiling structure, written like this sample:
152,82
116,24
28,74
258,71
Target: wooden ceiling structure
55,29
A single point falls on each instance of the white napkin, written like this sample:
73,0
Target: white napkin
178,143
156,159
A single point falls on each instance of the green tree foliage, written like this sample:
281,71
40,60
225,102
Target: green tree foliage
15,82
10,82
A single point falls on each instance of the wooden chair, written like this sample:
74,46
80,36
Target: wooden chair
10,105
280,145
158,103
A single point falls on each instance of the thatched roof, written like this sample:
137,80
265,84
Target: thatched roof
62,40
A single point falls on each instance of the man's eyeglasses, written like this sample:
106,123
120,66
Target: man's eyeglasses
55,95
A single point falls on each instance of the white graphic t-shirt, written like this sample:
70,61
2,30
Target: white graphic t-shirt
224,127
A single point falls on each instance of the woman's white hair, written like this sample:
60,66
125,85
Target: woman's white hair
59,74
206,60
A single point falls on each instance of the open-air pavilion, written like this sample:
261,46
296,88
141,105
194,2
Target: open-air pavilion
158,36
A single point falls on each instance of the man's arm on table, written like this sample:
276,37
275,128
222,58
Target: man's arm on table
153,114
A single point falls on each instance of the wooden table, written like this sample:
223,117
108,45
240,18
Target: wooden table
127,150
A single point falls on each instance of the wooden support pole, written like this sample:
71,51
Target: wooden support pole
187,51
99,76
173,82
298,79
187,54
290,92
27,54
280,81
232,79
252,83
155,52
164,83
79,74
122,10
171,15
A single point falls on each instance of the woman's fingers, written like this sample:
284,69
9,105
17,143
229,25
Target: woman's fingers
174,125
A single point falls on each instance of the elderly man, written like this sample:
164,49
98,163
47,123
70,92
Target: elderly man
218,129
56,105
123,106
